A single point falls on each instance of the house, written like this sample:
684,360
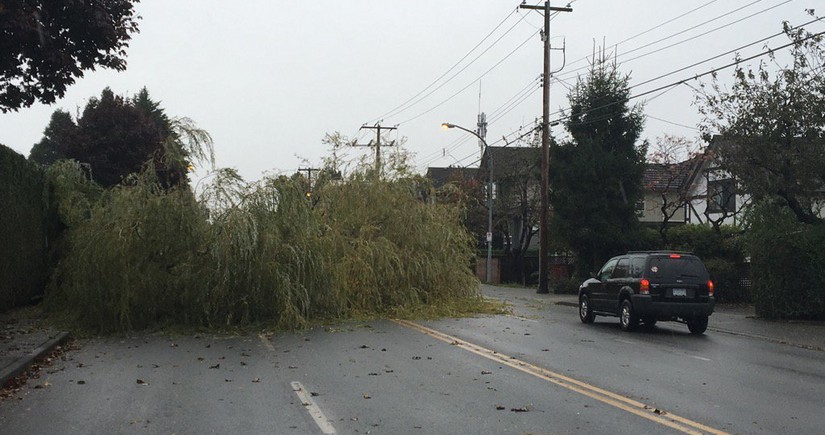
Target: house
714,196
450,174
666,188
516,175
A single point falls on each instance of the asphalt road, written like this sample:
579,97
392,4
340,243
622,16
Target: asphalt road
538,371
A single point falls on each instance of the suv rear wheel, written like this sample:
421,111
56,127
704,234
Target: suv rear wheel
627,317
586,310
698,325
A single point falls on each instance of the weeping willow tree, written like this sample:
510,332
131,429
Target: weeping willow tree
139,255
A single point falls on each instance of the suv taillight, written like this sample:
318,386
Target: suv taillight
644,287
710,288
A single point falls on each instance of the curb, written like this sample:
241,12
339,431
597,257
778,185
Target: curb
766,338
23,363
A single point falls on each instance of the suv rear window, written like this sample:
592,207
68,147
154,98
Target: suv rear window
668,268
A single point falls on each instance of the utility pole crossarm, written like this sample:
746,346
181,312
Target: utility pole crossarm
377,127
542,8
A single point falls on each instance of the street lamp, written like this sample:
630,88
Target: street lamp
447,125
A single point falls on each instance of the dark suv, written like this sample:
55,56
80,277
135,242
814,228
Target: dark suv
647,287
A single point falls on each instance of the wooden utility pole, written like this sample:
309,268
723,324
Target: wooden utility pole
544,260
377,127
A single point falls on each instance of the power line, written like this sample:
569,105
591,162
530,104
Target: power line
697,76
671,122
513,102
724,54
471,83
396,110
477,79
570,73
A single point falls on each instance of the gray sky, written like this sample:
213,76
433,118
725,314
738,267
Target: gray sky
269,78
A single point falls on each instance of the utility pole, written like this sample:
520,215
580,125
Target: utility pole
377,127
309,172
544,261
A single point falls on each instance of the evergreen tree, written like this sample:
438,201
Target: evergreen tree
596,176
61,128
117,136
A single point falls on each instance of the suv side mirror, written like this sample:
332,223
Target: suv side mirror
594,274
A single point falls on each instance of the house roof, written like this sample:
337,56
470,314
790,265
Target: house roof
442,176
659,177
511,161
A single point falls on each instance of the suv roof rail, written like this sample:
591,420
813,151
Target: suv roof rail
663,251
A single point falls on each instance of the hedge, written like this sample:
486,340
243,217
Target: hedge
786,259
23,230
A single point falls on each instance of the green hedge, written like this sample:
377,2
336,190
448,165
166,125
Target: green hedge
787,258
722,252
23,233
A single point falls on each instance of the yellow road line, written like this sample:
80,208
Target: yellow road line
624,403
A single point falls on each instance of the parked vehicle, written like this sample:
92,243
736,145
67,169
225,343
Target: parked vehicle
648,287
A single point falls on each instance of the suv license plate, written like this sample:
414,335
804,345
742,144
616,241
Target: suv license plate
679,292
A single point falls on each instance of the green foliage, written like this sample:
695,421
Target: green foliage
47,151
23,230
116,137
722,252
46,45
139,255
774,127
705,242
596,177
566,286
786,258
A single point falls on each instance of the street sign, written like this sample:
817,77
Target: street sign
489,236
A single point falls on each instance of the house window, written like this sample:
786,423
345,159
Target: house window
722,196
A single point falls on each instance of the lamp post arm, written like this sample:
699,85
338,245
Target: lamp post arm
489,200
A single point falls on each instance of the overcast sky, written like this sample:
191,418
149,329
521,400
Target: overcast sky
269,78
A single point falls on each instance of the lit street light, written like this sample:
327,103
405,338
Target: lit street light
447,125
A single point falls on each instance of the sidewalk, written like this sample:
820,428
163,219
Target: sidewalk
24,340
735,320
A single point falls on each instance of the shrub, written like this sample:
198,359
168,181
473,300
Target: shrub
726,276
723,255
566,286
24,222
786,264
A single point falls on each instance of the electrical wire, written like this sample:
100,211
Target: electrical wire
697,76
471,83
401,107
477,79
571,72
671,122
513,102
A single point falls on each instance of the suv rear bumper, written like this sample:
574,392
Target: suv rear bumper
644,305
